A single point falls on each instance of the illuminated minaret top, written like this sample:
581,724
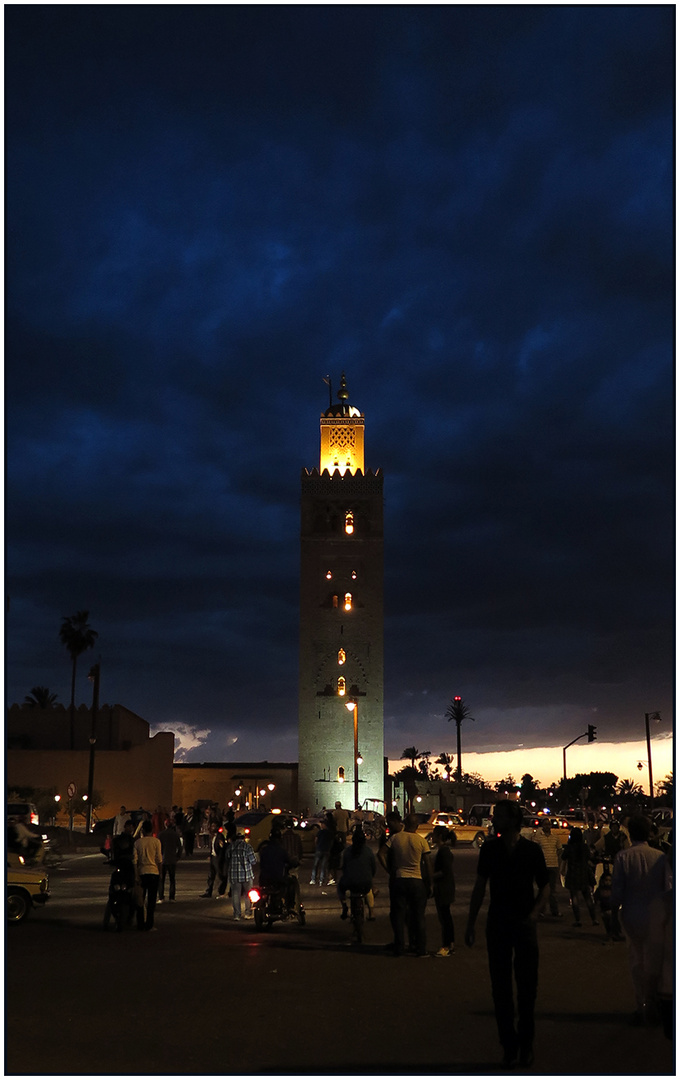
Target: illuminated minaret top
342,436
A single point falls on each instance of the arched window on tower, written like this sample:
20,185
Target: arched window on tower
349,522
341,656
341,686
348,601
335,600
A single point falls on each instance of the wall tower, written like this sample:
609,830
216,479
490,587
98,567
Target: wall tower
341,618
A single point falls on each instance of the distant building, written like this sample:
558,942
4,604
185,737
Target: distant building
239,784
341,618
131,768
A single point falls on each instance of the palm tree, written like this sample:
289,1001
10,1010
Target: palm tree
77,635
411,752
628,789
40,698
458,711
445,760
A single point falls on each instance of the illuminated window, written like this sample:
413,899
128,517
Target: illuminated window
329,575
335,600
341,686
349,522
341,656
348,601
354,575
341,775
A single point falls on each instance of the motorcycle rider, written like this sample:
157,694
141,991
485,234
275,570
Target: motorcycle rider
358,870
275,862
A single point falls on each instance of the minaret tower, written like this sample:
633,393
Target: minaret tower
341,618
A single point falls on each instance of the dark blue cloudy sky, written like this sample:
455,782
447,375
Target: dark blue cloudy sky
468,209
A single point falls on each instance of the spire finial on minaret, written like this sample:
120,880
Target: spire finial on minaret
343,393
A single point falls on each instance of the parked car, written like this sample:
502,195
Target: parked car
25,889
104,827
22,811
459,831
532,823
257,824
480,814
307,829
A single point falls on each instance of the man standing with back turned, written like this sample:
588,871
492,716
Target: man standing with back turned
511,865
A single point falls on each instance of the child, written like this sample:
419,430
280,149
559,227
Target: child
610,913
443,886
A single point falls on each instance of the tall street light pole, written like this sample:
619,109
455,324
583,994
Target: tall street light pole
353,706
650,716
94,678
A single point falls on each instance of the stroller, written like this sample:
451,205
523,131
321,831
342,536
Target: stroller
121,904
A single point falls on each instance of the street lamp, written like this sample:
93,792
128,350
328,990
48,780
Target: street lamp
94,678
650,716
353,707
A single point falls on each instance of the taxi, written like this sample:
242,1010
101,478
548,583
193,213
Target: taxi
459,831
559,826
25,889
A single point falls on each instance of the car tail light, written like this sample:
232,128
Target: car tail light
253,895
35,820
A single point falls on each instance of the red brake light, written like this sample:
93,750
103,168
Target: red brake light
253,895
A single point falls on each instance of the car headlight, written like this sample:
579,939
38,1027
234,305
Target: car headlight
44,884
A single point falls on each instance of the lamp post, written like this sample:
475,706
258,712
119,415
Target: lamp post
650,716
353,707
94,678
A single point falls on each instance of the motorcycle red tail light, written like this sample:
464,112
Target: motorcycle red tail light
253,895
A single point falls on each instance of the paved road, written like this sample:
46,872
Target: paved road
206,995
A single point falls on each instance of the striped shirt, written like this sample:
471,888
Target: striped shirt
552,848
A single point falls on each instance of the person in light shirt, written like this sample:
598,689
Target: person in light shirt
411,886
640,880
552,850
148,863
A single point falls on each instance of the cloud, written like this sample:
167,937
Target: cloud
187,738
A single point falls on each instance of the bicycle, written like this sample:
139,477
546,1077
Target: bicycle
357,902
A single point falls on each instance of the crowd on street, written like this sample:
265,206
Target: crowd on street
621,876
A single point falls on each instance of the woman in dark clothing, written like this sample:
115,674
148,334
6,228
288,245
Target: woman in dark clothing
443,886
577,873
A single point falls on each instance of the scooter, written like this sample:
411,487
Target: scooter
271,903
120,905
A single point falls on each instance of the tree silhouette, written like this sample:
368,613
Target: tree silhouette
529,788
628,789
445,760
458,711
40,698
77,635
411,752
666,787
506,785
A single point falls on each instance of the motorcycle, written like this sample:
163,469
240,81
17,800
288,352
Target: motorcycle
272,903
120,905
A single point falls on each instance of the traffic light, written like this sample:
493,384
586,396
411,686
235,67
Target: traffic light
591,733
